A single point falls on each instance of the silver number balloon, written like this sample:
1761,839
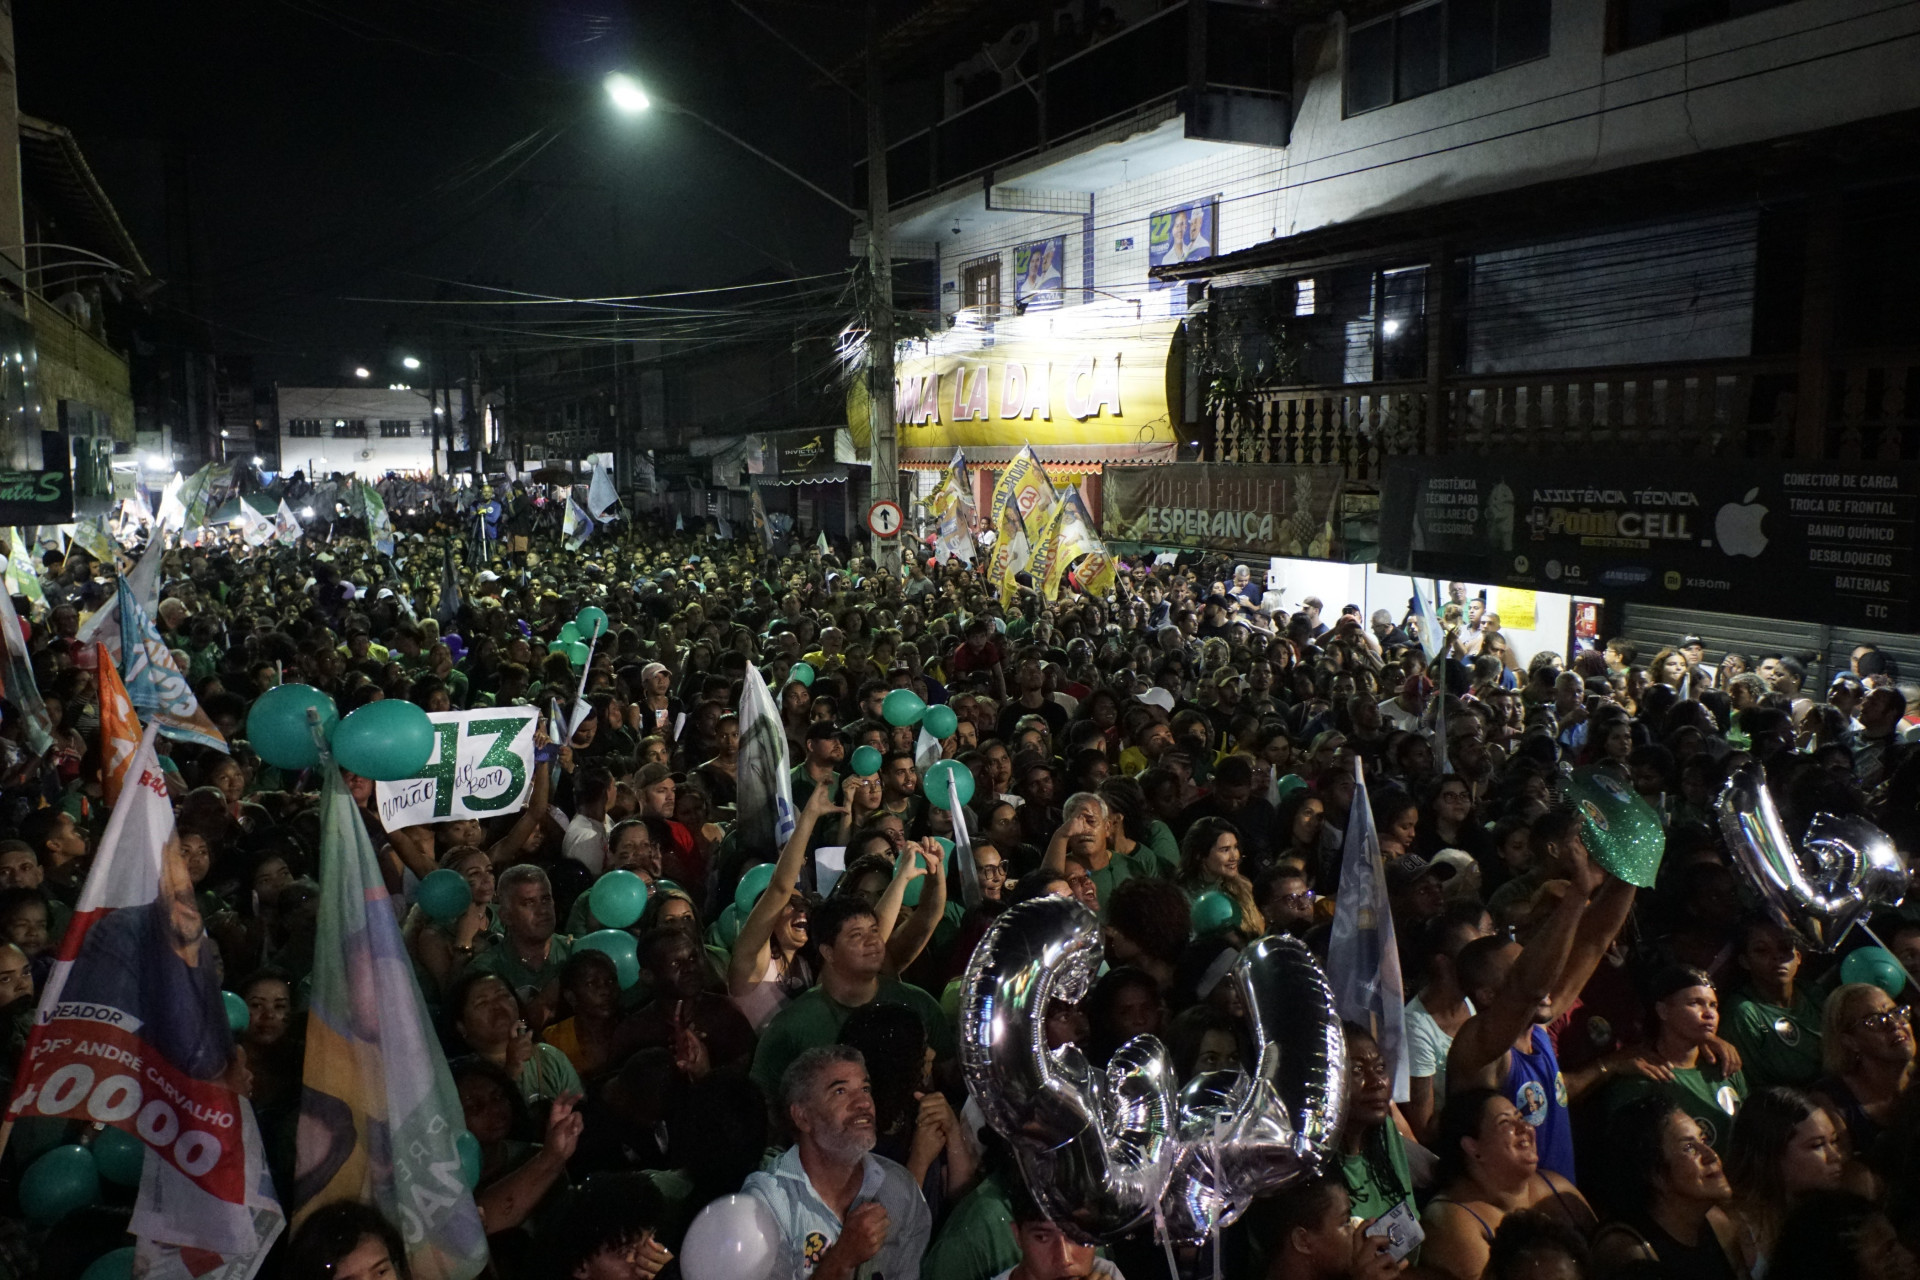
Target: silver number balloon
1843,870
1246,1134
1095,1147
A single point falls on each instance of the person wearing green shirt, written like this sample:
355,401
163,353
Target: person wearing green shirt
1686,1010
1373,1158
1773,1022
530,957
977,1239
852,962
825,750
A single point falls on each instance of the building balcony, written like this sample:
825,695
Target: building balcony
1868,410
1224,66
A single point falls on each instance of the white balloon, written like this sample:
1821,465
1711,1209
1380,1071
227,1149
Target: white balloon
734,1238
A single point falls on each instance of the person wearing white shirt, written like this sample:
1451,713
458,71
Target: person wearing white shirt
1047,1252
841,1209
586,838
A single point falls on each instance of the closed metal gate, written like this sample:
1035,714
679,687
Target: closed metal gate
1825,650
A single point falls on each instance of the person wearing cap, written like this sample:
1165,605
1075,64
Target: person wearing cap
660,712
1416,892
826,749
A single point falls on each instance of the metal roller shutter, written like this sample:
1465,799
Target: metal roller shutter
1654,627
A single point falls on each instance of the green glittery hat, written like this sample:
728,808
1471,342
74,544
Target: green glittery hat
1621,831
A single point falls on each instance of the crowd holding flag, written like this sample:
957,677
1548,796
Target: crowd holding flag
1363,963
952,505
132,1031
23,576
154,684
20,688
765,787
380,1119
602,496
119,725
578,526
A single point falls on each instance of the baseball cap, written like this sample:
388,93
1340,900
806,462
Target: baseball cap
1687,642
1405,872
1453,861
1156,697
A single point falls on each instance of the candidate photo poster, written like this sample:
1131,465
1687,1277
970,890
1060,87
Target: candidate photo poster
1040,273
1184,233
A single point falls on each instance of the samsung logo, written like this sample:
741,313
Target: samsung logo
1627,576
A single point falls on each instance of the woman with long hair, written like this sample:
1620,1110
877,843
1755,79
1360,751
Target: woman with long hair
1867,1048
1670,1198
1210,860
1783,1147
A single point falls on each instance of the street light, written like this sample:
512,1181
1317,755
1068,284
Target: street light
411,362
626,93
362,371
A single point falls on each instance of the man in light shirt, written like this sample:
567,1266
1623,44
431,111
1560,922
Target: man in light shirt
842,1210
586,838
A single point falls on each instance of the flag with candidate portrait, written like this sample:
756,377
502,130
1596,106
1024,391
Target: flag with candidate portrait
577,526
132,1032
379,1114
154,684
765,799
1363,963
952,505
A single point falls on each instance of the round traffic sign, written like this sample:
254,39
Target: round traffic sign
884,518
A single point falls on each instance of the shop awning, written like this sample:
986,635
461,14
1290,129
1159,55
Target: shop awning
1087,459
832,473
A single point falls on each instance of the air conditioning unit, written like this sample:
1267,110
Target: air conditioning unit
365,454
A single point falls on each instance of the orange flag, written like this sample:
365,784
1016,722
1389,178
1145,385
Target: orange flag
119,725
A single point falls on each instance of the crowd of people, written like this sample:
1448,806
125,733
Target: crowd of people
1603,1081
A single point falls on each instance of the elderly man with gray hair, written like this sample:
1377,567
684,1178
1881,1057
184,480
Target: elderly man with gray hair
842,1210
1085,835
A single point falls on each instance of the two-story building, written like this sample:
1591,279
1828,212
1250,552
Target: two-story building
1532,245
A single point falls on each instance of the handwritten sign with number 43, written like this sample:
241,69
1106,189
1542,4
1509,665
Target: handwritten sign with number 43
481,766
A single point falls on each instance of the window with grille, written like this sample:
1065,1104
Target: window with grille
1427,47
980,287
308,428
395,428
350,429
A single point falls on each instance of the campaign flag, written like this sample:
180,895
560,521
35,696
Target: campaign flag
952,505
765,791
1047,565
577,526
23,575
1363,964
1018,557
286,525
196,497
19,685
154,684
759,508
132,1031
602,497
1095,574
379,1113
1429,622
379,527
971,895
822,545
91,535
173,513
255,529
926,751
102,626
120,731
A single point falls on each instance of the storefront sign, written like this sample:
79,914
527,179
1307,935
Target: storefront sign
1249,510
1823,542
1054,379
36,497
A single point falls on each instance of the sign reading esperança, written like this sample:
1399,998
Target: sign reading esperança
482,765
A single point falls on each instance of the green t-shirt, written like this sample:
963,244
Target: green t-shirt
1777,1045
502,961
1166,849
1711,1099
1372,1193
547,1074
1142,863
814,1018
977,1240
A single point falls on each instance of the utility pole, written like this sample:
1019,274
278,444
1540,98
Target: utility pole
883,449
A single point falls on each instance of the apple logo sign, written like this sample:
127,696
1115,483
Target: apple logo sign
1738,526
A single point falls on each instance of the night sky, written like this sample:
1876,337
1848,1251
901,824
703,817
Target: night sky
276,159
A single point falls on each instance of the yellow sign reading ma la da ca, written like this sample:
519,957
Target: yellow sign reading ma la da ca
1045,380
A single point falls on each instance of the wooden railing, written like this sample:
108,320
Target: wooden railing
1732,409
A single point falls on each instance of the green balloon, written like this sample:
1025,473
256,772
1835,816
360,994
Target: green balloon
115,1264
62,1180
866,762
1877,966
946,845
559,646
239,1017
902,707
801,673
618,945
752,885
570,631
726,930
278,729
941,722
1213,912
935,785
444,894
577,654
617,899
385,740
467,1147
119,1156
591,622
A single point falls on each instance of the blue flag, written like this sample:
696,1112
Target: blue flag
1363,965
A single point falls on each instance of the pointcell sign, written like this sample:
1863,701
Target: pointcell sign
1821,542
